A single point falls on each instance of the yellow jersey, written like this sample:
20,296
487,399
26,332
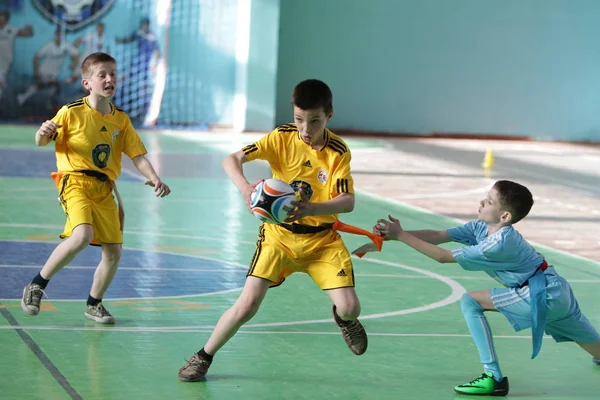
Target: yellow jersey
89,140
322,174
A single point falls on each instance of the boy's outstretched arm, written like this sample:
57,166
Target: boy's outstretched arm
392,230
143,165
233,166
428,235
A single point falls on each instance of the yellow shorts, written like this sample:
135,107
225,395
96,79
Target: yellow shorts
323,256
86,200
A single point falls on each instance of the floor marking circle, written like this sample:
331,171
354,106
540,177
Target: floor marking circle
455,295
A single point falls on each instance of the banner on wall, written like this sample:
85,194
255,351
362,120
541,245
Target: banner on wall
72,14
43,42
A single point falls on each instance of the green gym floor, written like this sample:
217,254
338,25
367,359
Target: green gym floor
184,263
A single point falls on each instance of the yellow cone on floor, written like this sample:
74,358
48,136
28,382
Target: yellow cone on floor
488,162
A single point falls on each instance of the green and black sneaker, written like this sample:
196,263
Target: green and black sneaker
485,385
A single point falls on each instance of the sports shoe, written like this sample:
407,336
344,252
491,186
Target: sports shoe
596,361
485,385
99,314
32,297
195,369
354,335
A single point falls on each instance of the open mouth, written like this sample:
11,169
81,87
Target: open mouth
109,88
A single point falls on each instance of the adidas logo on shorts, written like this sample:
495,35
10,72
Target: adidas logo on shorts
341,273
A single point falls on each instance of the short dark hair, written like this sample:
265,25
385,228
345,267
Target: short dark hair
6,14
93,59
514,198
311,94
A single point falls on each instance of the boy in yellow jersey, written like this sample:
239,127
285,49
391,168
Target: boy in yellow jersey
317,163
90,135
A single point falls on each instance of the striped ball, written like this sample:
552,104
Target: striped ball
271,202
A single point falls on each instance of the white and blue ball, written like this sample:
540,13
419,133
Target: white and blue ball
271,202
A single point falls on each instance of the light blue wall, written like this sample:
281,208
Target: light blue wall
473,66
261,73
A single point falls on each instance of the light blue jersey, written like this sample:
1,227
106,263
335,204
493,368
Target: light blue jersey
542,300
504,255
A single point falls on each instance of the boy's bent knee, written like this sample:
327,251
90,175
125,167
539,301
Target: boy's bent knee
469,305
82,235
111,254
246,309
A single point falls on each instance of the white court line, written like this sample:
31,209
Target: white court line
466,278
191,329
569,206
129,199
223,262
244,268
455,295
446,194
40,189
583,186
128,232
183,296
132,268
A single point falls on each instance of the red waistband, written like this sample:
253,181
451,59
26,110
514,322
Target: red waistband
543,266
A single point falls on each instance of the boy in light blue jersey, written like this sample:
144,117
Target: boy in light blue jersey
534,294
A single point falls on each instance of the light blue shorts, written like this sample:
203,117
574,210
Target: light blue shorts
564,320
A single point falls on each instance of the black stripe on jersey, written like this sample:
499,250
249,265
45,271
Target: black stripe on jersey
327,138
336,147
76,101
339,143
287,128
251,148
259,242
342,186
55,136
75,104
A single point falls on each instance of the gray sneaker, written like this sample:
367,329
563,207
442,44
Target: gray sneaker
32,297
596,361
194,370
99,314
354,335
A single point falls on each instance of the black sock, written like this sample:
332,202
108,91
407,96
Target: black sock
339,319
38,280
205,355
92,301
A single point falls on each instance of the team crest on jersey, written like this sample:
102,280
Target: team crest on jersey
115,134
101,154
322,176
305,186
73,14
